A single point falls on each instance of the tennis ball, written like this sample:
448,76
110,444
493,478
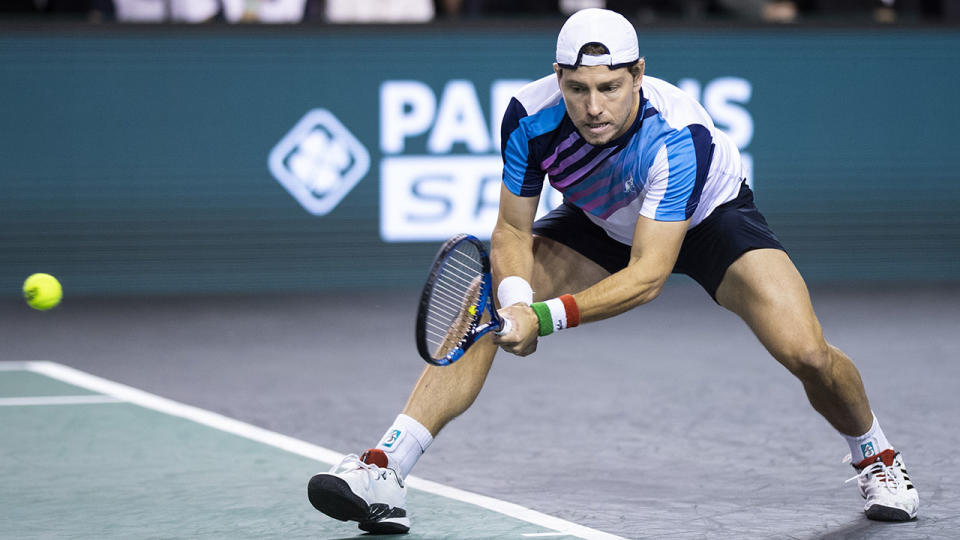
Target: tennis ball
42,291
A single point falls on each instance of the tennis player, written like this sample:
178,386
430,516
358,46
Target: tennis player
650,187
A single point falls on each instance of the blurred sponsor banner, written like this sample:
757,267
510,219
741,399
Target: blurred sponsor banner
245,159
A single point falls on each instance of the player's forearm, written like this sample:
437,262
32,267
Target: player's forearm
656,245
620,292
511,253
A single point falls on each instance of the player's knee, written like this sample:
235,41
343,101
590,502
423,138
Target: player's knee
809,361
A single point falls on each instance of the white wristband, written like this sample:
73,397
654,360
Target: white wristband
514,289
558,312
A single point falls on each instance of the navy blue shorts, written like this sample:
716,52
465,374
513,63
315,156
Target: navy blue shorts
732,229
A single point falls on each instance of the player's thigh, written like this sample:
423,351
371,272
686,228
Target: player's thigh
559,269
765,289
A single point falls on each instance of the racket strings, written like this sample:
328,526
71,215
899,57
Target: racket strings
455,281
459,273
453,300
450,291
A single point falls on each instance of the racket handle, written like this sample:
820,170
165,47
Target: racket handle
505,327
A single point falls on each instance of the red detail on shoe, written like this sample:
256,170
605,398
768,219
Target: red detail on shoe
887,457
375,456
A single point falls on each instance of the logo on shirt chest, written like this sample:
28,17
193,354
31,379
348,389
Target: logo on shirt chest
629,185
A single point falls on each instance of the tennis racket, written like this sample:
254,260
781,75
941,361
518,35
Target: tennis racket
457,292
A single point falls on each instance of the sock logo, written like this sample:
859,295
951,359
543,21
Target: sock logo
391,438
868,449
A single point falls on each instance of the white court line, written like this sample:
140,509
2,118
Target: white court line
14,366
56,400
295,446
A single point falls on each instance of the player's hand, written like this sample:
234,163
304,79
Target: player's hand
521,340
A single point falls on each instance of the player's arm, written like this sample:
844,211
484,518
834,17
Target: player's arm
655,249
511,245
656,245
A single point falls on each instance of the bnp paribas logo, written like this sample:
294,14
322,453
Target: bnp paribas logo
319,161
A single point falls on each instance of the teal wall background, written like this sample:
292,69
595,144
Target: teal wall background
135,160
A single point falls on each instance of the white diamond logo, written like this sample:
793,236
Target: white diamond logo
319,161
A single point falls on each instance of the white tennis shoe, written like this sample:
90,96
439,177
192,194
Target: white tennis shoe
365,490
886,486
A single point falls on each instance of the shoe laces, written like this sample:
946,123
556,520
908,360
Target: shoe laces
352,462
885,475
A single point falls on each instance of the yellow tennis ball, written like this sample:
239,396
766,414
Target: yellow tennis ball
42,291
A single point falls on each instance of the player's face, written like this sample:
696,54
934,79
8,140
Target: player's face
601,102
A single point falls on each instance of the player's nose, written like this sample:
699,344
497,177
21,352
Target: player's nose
593,104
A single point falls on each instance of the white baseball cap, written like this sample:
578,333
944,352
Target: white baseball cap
599,26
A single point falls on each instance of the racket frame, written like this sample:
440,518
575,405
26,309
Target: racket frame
485,303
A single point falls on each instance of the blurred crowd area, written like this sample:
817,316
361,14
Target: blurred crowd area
417,11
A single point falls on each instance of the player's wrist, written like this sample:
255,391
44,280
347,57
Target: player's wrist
514,290
556,314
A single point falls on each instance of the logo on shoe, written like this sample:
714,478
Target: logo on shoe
868,449
391,438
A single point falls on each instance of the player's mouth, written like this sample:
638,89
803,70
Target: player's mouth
597,128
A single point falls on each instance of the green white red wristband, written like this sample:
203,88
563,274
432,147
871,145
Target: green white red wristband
556,314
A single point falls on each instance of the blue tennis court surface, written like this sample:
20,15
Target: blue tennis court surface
84,457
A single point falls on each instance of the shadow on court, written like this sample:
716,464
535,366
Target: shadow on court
668,422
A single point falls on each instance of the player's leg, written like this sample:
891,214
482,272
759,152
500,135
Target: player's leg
444,392
370,489
765,289
570,253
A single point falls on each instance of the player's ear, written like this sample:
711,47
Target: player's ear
558,70
638,74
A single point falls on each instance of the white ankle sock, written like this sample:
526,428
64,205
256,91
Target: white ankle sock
404,443
869,444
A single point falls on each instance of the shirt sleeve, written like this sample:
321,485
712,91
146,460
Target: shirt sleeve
520,177
677,175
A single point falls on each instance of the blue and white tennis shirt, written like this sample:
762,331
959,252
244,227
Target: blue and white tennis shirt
671,165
